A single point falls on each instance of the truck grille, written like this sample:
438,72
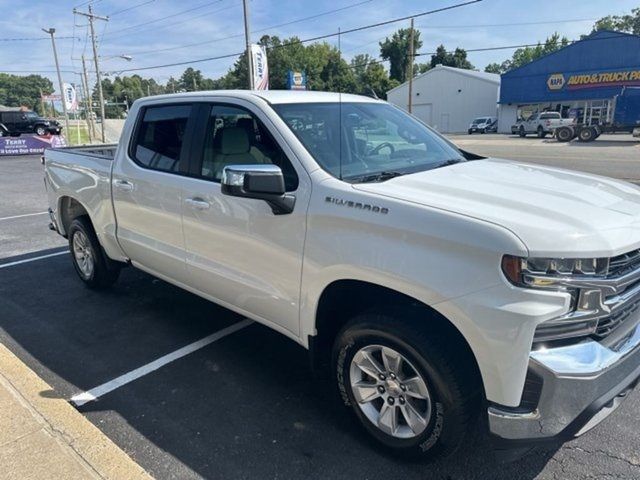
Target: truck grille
623,264
607,325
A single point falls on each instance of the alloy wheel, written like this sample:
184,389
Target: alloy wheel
390,391
83,254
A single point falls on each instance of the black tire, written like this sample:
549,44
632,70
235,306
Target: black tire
564,134
469,132
41,131
587,134
540,131
105,271
521,132
454,391
483,131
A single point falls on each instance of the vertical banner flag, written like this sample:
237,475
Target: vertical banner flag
260,67
69,97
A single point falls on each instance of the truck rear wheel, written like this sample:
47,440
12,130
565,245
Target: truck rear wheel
404,387
521,132
91,264
587,134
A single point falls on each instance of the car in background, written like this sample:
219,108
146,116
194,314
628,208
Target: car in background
541,124
15,123
483,125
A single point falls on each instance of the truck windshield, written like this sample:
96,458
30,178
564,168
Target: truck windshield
361,142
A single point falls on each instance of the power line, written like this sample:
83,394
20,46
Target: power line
34,39
118,12
155,20
312,39
524,45
487,25
220,39
188,19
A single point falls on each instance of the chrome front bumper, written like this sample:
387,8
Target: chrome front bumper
581,385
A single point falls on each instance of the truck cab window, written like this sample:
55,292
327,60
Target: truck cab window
236,137
160,135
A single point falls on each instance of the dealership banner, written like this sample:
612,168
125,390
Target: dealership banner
70,97
574,81
29,144
260,67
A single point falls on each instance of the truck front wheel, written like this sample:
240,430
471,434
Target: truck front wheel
564,134
404,387
90,262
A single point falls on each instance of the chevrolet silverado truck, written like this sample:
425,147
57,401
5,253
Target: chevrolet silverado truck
436,286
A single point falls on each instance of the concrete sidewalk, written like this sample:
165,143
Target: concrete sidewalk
44,437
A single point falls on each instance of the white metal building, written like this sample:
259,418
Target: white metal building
448,98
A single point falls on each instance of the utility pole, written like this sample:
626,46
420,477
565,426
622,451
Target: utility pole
44,111
247,38
411,56
195,86
91,16
87,101
51,31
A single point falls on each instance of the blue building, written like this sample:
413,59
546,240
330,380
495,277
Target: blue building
586,73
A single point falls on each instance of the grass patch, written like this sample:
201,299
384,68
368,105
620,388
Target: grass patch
72,135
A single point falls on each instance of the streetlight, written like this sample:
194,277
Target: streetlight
123,56
52,31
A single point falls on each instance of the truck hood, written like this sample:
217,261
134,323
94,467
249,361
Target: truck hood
555,212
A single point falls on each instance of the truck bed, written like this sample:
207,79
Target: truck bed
106,150
83,174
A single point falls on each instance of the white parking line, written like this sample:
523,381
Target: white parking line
95,393
32,259
22,216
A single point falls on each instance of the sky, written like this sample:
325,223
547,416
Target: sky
159,32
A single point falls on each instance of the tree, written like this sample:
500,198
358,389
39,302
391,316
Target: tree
191,80
17,91
629,23
457,58
525,55
371,76
494,68
322,63
396,51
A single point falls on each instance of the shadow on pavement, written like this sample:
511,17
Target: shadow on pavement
246,406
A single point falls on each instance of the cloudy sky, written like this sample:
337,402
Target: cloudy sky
158,32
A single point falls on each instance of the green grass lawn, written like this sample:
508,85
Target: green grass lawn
72,135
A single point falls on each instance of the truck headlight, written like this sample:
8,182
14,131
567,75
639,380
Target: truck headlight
560,274
550,272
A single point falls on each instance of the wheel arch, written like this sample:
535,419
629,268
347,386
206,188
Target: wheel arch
342,299
70,208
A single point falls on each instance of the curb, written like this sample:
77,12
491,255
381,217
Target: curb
76,435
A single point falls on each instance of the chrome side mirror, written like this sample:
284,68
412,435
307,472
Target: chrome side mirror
261,182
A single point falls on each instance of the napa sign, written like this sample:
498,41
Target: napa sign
617,78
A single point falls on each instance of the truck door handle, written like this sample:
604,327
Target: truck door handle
123,185
198,203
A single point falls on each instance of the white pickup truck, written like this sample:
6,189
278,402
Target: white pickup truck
541,124
435,285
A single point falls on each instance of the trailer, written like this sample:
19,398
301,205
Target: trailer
595,117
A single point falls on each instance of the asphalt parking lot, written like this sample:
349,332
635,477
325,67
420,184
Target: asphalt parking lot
244,406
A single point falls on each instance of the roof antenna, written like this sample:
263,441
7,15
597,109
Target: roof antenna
340,104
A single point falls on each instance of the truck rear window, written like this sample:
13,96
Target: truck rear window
159,137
